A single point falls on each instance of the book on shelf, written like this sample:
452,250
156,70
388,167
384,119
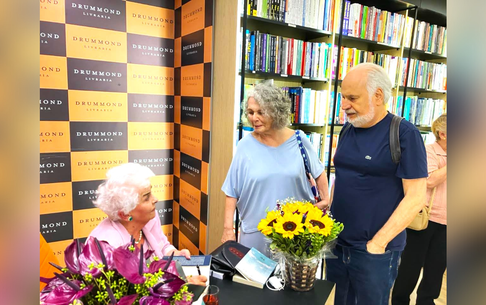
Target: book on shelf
425,75
351,57
372,23
317,14
316,141
427,37
307,106
255,267
418,111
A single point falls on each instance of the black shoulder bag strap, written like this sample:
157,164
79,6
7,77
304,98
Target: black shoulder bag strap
396,152
344,129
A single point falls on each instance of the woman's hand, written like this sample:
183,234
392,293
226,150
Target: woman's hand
197,280
183,252
323,204
228,234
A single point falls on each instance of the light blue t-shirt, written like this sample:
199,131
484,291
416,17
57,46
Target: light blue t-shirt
260,175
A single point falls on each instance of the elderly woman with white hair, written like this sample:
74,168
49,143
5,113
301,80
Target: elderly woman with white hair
426,250
268,166
126,198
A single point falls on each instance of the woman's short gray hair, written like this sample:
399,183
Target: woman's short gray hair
119,192
377,78
274,103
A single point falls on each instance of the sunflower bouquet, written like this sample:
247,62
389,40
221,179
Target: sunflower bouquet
299,229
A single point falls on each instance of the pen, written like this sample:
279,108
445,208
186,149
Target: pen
198,270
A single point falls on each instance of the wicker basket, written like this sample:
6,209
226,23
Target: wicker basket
301,276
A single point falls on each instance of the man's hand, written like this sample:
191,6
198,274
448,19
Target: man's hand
228,234
197,280
183,252
373,248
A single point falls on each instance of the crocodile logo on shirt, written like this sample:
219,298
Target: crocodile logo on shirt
368,157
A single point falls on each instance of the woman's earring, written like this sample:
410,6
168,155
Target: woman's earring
130,218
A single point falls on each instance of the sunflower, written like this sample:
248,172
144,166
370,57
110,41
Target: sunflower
290,208
316,223
289,225
266,224
296,207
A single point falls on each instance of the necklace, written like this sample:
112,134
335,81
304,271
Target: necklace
139,238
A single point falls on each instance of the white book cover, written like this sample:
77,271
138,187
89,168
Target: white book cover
320,15
320,59
317,64
312,107
306,13
315,13
255,266
324,106
299,12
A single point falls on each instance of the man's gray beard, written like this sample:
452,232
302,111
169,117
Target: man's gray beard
361,120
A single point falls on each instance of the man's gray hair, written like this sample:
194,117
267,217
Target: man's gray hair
377,78
273,102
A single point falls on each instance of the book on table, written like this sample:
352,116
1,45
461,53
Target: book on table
254,269
187,267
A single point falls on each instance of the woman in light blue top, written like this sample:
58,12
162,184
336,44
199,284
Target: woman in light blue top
268,166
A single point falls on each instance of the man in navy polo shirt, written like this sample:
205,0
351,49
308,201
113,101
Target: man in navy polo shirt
373,197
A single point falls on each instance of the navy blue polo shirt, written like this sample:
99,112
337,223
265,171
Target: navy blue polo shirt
368,185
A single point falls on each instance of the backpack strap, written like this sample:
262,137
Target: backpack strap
344,129
396,152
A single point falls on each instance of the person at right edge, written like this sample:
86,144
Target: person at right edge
372,196
427,248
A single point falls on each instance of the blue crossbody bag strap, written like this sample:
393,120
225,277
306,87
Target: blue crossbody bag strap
308,174
303,152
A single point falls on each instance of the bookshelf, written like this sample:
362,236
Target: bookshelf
283,77
427,49
395,31
298,34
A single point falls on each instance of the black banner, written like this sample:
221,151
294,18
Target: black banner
98,136
84,193
52,38
95,75
161,162
192,111
150,50
55,167
150,108
191,170
107,14
164,208
57,226
193,48
189,226
53,105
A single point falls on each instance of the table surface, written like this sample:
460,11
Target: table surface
231,293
